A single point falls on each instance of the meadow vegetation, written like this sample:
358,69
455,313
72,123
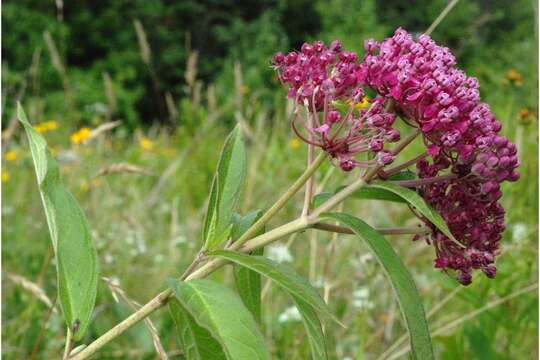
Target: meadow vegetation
135,102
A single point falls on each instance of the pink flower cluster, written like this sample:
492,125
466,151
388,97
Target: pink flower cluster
461,134
473,215
419,80
332,71
319,79
426,88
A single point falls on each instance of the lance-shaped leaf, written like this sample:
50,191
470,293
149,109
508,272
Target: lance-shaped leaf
372,193
419,203
212,215
218,310
369,192
232,172
76,263
248,282
312,324
284,276
197,343
401,280
226,189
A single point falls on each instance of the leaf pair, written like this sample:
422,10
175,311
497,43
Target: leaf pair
76,259
202,340
211,316
225,192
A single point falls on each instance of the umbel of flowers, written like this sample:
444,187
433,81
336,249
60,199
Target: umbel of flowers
321,78
416,79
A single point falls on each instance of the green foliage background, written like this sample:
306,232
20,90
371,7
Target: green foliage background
144,236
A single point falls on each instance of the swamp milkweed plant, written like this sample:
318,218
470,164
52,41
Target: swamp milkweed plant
359,113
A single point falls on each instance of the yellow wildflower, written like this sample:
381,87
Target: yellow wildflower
294,143
10,155
84,186
146,144
97,182
80,136
514,76
5,175
46,126
525,116
524,113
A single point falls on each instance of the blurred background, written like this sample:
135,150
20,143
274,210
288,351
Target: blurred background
135,99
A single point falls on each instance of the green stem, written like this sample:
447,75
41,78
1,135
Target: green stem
441,16
278,205
143,312
69,344
162,298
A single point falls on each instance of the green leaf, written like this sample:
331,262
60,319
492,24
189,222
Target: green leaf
232,172
281,274
401,280
248,282
312,324
197,343
403,175
372,193
243,223
219,311
367,192
76,259
221,238
212,215
226,188
319,199
419,203
341,106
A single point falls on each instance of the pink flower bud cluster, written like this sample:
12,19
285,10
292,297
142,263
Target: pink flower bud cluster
473,215
332,70
461,134
321,78
421,78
